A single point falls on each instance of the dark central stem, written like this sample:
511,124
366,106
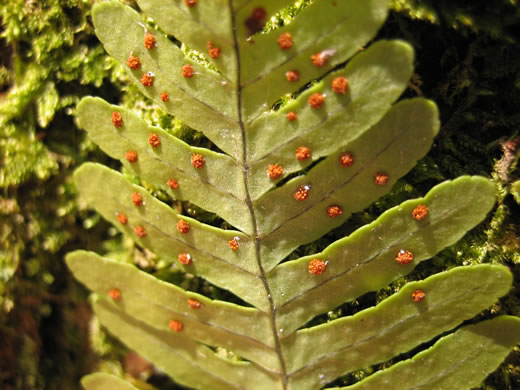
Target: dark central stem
272,309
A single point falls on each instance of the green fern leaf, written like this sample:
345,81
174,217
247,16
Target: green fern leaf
515,190
282,177
101,381
463,357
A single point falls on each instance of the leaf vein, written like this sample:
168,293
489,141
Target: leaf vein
155,303
334,190
212,255
184,172
367,261
383,332
297,53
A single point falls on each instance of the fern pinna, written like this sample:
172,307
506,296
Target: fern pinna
283,177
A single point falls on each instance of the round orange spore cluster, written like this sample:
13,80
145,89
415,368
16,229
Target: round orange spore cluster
175,325
302,193
233,244
117,119
115,294
316,100
122,218
274,171
340,85
404,257
140,231
154,140
418,295
194,304
214,52
292,76
317,266
133,62
173,184
149,41
346,159
334,211
187,71
190,3
165,97
303,153
183,226
147,79
420,212
184,258
197,160
285,41
319,60
292,116
380,179
137,199
131,156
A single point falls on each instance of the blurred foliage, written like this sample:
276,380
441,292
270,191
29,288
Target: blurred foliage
50,59
498,18
515,190
467,60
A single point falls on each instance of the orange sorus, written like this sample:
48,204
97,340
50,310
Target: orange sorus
184,258
133,62
122,218
285,41
147,79
233,244
173,184
316,100
404,257
197,160
194,304
303,153
292,76
154,140
418,295
420,212
131,156
139,231
346,159
334,211
317,266
115,294
137,199
380,179
340,85
117,119
149,41
183,226
302,193
187,71
292,116
274,171
176,326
